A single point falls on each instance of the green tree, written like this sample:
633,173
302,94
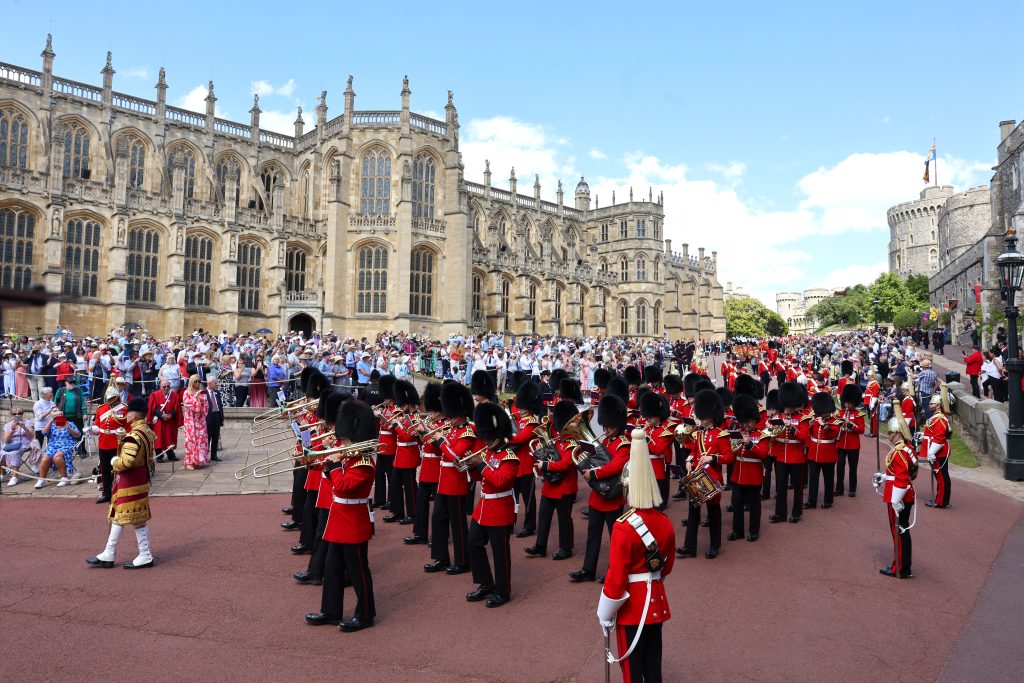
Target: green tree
748,317
917,285
893,296
906,318
775,326
836,310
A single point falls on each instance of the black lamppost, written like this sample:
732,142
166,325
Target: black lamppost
875,305
1011,272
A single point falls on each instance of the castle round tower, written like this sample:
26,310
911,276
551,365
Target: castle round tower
913,233
963,220
582,195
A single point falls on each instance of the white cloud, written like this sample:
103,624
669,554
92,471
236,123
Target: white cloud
597,154
139,72
265,88
732,171
195,100
885,121
853,274
508,143
280,121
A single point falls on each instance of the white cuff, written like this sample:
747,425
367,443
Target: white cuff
607,607
933,449
897,495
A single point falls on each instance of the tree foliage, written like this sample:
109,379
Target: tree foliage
856,306
748,317
906,319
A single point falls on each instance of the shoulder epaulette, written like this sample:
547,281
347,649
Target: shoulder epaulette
365,461
510,455
625,515
469,431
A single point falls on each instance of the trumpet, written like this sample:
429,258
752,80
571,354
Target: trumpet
268,417
477,457
310,457
441,430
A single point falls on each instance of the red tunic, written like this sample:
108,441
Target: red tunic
628,556
619,450
496,505
387,440
520,443
748,469
166,431
820,441
407,446
936,430
871,393
897,472
788,447
569,484
660,441
849,439
430,464
462,441
714,442
349,520
108,421
909,412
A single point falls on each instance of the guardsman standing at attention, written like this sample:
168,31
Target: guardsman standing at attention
789,452
109,422
129,503
633,601
349,523
898,493
820,436
935,446
871,392
495,512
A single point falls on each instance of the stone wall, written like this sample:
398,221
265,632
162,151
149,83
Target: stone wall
913,233
963,220
984,420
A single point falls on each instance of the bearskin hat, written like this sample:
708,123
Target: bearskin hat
569,389
601,377
529,398
304,376
492,422
771,400
641,391
562,413
387,387
846,367
611,412
481,384
823,404
726,396
771,344
617,387
673,384
356,422
375,375
432,397
702,384
137,405
745,408
330,402
707,405
690,384
653,404
632,375
652,374
792,395
405,393
746,384
456,401
852,394
316,384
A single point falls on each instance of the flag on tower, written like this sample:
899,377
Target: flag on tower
928,160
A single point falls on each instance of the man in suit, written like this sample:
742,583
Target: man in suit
214,417
197,367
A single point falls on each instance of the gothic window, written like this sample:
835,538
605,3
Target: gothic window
268,178
657,319
372,287
305,194
143,259
13,138
933,257
532,305
423,174
17,235
624,269
657,230
657,270
250,261
421,282
641,317
558,302
477,293
623,229
76,151
189,175
222,179
81,257
505,287
198,270
641,269
603,266
604,232
375,195
501,229
623,318
641,227
295,270
136,162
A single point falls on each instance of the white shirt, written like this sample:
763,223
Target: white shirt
40,410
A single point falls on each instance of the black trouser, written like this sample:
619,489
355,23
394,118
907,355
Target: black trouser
901,546
663,490
382,479
403,496
241,395
548,507
499,538
78,422
214,431
714,524
644,663
596,520
308,531
828,472
315,568
425,492
106,470
298,493
348,563
766,380
449,515
974,386
470,499
526,490
746,495
766,486
784,474
847,456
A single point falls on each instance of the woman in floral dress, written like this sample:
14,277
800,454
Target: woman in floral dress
194,408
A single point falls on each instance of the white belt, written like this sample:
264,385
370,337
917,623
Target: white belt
492,496
755,460
445,463
108,431
789,440
645,576
888,477
433,457
351,501
822,441
657,457
408,443
385,433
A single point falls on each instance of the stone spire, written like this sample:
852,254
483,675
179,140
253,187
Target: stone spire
211,107
161,93
299,123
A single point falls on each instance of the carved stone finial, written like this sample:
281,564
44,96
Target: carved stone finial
210,89
110,58
559,185
348,88
162,78
450,102
255,103
298,116
487,165
49,45
513,176
405,85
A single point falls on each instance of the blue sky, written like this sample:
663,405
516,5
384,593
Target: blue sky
779,132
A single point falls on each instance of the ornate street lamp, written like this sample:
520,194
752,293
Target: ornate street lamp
1011,273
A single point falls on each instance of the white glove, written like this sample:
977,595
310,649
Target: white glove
95,430
931,458
897,499
608,608
897,506
933,450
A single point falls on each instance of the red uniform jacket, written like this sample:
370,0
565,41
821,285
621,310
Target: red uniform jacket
897,472
871,393
349,520
936,430
714,442
462,441
821,441
569,484
496,505
974,362
387,440
788,447
324,491
619,450
430,465
748,469
520,443
660,441
909,412
109,422
849,439
166,430
628,556
407,446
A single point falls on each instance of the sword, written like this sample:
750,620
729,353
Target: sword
607,655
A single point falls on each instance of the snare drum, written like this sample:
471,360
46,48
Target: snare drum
700,486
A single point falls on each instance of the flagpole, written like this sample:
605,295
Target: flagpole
936,160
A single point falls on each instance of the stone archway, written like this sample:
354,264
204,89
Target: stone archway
302,323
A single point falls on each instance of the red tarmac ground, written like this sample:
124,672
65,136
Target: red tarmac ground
805,603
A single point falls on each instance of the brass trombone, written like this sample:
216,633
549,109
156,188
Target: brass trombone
267,418
309,456
271,439
249,469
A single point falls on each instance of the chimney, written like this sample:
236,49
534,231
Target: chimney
1005,128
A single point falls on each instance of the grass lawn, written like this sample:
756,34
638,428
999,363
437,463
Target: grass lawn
959,453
